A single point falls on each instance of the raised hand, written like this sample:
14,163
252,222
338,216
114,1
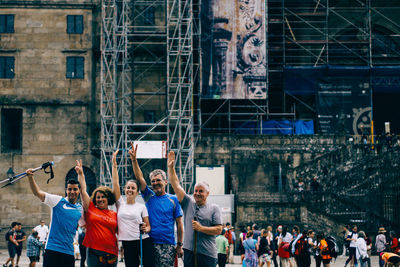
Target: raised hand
171,159
29,172
132,152
78,167
114,158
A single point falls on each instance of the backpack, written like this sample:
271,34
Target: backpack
301,246
347,242
7,235
333,248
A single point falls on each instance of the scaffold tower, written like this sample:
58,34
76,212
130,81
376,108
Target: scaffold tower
147,82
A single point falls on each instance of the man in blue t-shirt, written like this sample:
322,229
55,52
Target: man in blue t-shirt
65,214
164,210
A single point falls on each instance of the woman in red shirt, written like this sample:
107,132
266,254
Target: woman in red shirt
101,224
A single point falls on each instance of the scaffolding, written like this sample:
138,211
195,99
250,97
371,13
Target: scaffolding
147,82
150,62
326,32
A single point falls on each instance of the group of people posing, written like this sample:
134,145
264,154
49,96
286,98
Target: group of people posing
147,231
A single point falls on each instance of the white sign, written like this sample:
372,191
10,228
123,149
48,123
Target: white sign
151,149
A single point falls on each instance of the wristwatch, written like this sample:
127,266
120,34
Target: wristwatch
179,244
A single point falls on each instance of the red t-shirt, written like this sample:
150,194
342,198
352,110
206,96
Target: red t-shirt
101,230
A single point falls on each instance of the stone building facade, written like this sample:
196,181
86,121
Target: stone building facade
48,98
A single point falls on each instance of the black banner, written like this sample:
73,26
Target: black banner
344,105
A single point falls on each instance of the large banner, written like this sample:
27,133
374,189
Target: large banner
233,57
344,105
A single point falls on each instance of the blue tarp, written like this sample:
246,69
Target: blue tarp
284,127
304,127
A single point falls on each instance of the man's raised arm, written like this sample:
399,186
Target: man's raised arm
173,178
136,169
34,187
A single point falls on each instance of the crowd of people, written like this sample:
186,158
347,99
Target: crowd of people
146,232
285,248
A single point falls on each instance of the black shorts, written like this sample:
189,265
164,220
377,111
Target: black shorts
326,261
18,249
12,249
54,258
34,258
394,259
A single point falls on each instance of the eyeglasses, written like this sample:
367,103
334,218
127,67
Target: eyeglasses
156,180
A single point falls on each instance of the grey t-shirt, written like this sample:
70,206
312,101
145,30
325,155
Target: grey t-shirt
207,215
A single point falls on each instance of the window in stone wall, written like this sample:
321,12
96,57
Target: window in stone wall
6,23
149,16
11,130
75,24
7,67
75,67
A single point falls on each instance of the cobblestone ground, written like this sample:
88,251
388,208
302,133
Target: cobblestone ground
24,261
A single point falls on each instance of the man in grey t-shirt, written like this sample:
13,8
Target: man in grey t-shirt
202,221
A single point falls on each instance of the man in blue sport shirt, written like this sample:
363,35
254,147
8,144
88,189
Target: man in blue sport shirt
164,210
65,214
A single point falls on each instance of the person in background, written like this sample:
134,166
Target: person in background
394,242
284,246
222,248
82,248
345,233
324,250
264,252
361,252
20,236
369,249
43,231
12,244
389,259
33,246
242,237
251,247
352,237
380,244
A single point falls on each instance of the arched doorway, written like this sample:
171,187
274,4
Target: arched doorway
90,178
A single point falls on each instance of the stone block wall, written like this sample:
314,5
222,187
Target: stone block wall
59,115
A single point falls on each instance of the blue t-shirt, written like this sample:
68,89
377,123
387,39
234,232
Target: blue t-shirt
64,222
163,211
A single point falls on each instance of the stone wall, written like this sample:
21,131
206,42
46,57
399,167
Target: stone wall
59,115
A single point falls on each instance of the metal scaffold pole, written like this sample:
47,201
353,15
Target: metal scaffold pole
180,87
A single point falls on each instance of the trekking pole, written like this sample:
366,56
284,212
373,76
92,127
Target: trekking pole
141,247
11,180
195,245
